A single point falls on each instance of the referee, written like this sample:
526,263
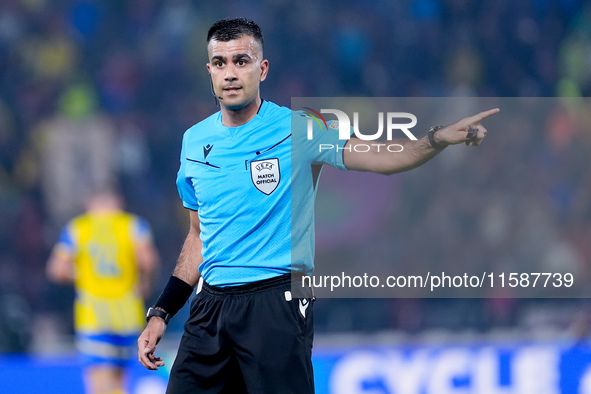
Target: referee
246,333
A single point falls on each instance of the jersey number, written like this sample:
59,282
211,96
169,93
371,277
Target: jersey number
104,260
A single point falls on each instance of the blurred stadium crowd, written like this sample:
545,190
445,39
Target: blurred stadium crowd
101,91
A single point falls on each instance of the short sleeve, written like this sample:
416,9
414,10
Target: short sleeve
185,184
141,230
65,241
322,145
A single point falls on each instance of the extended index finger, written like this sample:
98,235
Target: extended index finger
483,115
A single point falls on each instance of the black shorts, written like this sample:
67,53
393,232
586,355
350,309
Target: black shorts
246,339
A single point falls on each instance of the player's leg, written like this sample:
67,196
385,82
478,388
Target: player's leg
205,362
272,336
104,379
104,357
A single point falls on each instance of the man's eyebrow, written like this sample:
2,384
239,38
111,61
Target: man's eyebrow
239,56
236,57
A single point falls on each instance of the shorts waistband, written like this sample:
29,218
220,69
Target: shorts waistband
276,281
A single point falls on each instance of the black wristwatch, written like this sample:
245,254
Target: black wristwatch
158,313
431,136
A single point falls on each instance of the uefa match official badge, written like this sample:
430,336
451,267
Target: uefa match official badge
265,175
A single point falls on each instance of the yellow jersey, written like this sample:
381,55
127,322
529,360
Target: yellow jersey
106,275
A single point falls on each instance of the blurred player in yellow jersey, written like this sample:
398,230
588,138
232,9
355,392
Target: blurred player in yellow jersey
110,258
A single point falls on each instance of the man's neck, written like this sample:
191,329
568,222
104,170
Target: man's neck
239,117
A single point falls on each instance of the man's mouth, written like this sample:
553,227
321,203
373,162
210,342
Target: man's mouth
232,89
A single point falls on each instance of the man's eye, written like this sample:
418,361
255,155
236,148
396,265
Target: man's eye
218,64
241,62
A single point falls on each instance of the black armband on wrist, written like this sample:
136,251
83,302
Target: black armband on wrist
174,295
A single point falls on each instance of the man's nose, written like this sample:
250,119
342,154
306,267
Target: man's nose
230,73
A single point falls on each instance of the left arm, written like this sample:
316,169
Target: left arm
148,262
414,153
60,268
146,255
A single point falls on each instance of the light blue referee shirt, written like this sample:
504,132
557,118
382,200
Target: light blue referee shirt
245,183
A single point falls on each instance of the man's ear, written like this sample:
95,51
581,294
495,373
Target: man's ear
264,70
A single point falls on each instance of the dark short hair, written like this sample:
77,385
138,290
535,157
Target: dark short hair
231,29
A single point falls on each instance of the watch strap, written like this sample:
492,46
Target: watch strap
158,313
431,137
